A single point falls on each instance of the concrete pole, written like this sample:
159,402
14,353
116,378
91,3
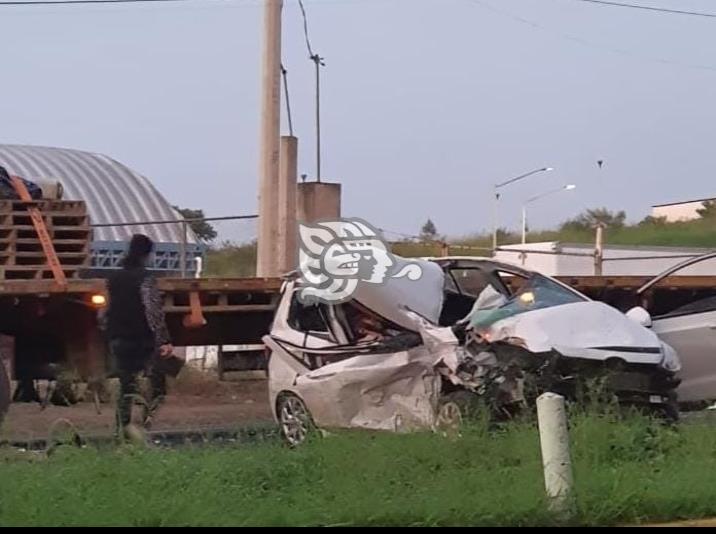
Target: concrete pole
266,261
599,250
554,441
524,224
287,190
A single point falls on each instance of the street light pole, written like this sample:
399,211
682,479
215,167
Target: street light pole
496,188
494,219
568,187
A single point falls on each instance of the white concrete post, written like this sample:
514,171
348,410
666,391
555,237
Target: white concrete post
599,251
554,441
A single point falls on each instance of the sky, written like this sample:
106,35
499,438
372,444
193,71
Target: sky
426,103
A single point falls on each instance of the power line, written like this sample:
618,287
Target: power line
650,8
70,2
284,74
590,44
305,28
319,62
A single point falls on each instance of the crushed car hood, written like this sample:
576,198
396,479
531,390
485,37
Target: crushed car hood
393,298
591,330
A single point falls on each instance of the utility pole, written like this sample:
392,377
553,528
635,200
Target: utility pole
318,60
266,261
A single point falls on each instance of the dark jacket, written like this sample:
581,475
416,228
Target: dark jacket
135,308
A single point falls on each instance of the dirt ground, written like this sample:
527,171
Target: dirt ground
195,401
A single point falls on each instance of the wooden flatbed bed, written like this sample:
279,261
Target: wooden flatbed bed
54,323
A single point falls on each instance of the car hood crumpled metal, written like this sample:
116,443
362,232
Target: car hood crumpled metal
396,297
584,329
396,392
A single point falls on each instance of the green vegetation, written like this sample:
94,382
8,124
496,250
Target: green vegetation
230,260
240,260
649,232
202,229
626,471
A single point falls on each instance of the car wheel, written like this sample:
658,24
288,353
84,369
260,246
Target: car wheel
453,409
295,421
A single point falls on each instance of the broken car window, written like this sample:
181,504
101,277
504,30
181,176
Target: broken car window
536,292
469,281
366,327
309,318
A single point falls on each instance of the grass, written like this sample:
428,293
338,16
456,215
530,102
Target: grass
626,472
240,260
230,260
696,233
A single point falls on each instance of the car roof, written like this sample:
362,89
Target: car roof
494,264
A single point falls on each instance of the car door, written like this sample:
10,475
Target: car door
691,331
688,324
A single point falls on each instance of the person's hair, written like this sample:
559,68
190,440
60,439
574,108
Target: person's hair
140,247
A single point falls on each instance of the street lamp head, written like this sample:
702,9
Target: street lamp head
569,187
548,169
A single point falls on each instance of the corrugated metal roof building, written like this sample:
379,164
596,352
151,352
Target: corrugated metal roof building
113,193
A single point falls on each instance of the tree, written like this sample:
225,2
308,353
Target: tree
202,229
593,217
708,211
428,232
650,220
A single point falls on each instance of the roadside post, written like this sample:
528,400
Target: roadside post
556,462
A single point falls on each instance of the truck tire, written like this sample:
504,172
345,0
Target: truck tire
4,392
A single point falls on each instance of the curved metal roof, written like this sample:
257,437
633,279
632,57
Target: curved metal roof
113,192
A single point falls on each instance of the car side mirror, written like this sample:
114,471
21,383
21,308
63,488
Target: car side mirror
641,316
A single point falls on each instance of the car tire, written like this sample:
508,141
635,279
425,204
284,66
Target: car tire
453,410
295,421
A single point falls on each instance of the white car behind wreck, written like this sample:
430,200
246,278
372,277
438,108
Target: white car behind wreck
408,354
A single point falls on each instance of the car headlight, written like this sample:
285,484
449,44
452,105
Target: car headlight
670,360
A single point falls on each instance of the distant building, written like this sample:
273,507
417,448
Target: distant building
679,211
115,195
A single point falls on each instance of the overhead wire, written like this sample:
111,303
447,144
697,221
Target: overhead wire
656,9
590,44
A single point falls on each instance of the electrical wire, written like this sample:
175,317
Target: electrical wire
650,8
590,44
284,74
71,2
305,29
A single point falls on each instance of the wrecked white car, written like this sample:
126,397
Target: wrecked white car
409,354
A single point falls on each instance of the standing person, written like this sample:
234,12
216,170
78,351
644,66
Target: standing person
137,330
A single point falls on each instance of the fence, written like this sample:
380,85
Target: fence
186,253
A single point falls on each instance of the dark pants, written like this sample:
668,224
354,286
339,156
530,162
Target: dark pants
132,358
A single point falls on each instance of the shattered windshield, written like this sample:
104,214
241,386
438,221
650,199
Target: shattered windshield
535,293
